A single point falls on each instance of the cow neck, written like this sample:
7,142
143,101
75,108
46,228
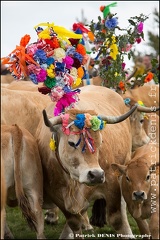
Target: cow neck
58,158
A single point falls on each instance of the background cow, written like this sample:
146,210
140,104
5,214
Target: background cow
3,199
23,175
140,188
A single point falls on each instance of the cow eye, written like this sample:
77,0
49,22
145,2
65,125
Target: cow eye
72,144
127,178
148,177
141,121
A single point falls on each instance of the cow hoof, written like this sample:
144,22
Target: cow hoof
49,219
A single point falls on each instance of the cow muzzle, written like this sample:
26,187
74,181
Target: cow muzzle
96,176
138,195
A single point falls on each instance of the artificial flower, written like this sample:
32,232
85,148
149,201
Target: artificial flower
41,77
88,118
149,77
59,54
78,56
138,40
40,56
73,73
80,72
50,82
140,27
76,63
50,73
95,123
68,62
56,93
33,78
54,43
79,121
121,85
113,51
111,23
81,49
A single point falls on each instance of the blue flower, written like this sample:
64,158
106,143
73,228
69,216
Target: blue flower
70,51
40,56
111,23
60,67
78,56
79,122
102,123
50,61
33,78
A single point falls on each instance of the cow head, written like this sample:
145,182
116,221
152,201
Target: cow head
138,128
78,138
136,182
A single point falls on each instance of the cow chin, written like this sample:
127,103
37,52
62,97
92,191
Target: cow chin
140,142
92,176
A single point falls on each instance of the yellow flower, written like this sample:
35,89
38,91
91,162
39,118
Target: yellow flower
113,51
140,103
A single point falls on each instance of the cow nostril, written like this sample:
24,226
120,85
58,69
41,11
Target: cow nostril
96,176
138,195
91,175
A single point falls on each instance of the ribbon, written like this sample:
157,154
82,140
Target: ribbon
106,11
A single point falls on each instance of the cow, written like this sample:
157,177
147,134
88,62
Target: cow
3,199
140,188
22,107
73,178
23,175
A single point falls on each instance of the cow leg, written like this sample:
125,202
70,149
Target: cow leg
8,234
116,210
3,220
72,228
67,233
154,224
51,215
143,227
37,209
86,224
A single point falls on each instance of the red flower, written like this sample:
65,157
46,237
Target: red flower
138,40
121,85
149,77
53,43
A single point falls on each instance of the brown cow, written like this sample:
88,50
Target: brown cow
140,188
67,170
22,107
23,175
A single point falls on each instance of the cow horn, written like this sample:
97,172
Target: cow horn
147,109
114,119
50,123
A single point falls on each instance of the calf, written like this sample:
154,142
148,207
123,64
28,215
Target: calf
23,175
139,185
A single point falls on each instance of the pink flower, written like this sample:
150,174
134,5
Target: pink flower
138,40
68,61
123,65
127,48
140,27
41,77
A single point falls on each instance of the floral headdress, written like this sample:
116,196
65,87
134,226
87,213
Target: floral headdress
57,59
111,46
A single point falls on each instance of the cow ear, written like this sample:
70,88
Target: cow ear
118,169
153,168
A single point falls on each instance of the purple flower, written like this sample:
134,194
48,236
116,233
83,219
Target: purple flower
68,61
41,77
123,65
111,23
140,27
40,56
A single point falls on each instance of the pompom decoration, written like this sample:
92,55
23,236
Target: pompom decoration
56,59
